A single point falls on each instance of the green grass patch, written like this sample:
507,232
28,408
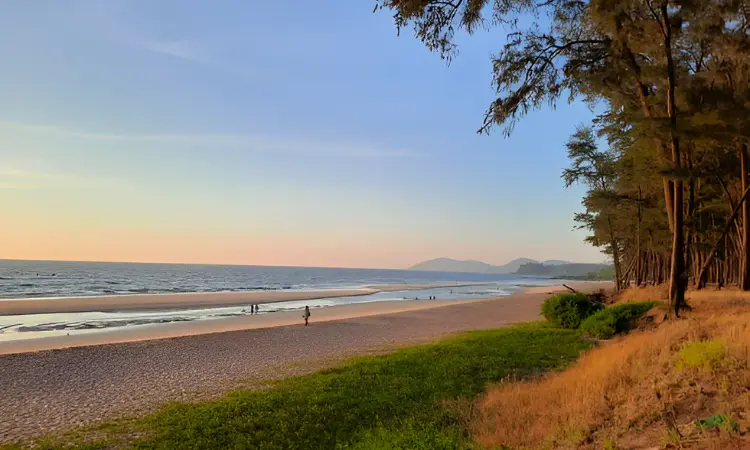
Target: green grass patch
703,355
414,398
569,310
719,421
617,319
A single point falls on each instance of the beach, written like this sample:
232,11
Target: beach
146,302
45,391
245,322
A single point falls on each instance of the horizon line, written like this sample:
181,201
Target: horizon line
275,265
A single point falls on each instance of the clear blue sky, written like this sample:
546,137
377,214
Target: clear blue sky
285,132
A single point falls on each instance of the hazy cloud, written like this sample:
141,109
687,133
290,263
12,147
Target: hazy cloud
18,178
253,143
184,49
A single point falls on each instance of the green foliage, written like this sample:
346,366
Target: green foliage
405,400
615,319
703,355
606,274
719,421
569,310
672,80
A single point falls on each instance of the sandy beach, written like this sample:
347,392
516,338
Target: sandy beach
179,329
146,302
45,391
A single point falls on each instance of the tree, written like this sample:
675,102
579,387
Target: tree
666,71
595,169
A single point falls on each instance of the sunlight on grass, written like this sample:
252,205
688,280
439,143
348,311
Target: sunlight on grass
703,355
621,391
417,397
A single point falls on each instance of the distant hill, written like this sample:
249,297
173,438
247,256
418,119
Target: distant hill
454,265
555,262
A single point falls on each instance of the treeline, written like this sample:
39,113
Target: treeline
573,270
666,162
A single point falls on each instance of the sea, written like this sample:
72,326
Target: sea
58,279
44,279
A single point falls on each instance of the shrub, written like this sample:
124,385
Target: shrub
615,320
569,310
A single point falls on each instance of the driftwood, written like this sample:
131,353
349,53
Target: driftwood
598,297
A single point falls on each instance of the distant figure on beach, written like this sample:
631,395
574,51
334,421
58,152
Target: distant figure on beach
257,308
252,309
306,316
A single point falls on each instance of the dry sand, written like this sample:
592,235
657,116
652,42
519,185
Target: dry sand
47,391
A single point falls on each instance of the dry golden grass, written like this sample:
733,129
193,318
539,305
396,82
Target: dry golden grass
634,392
643,294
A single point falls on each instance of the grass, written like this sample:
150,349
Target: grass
616,319
637,390
703,355
418,397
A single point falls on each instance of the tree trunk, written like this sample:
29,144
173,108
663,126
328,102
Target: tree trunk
615,255
669,202
638,270
677,270
745,249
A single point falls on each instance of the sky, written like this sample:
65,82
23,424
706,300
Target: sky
271,133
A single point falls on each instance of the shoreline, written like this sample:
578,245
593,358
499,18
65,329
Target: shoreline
155,332
52,391
191,300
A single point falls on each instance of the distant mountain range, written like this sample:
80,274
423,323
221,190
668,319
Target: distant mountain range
521,266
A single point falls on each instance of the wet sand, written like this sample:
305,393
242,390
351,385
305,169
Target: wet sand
145,302
247,322
48,391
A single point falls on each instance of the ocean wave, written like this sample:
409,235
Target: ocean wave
5,327
73,279
139,290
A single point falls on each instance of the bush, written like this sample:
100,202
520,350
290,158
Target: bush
615,320
569,310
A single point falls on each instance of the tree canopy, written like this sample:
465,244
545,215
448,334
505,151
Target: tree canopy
665,197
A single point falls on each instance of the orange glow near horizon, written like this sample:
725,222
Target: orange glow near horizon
164,247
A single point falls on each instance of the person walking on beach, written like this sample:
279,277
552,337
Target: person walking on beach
306,315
